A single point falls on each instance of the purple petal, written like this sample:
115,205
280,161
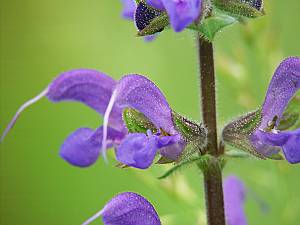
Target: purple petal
128,9
136,91
127,209
82,147
158,4
137,150
90,87
234,200
150,38
173,151
182,12
283,86
288,140
262,147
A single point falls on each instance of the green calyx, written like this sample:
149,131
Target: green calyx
237,133
195,136
244,8
156,25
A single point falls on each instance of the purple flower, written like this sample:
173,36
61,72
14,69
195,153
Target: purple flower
109,97
181,12
127,208
284,84
234,200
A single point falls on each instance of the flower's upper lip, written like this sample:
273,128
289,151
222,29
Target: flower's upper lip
283,86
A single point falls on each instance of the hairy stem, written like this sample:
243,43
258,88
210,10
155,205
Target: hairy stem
213,172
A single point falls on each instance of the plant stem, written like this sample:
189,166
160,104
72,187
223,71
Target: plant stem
213,172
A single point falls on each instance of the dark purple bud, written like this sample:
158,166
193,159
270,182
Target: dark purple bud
144,15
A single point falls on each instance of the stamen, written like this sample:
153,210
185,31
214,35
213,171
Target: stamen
97,215
272,123
105,123
21,109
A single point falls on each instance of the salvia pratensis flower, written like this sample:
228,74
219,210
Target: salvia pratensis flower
147,129
268,135
127,208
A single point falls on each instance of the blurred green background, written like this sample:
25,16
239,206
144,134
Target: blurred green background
40,39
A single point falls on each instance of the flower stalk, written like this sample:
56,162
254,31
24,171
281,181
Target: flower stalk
212,172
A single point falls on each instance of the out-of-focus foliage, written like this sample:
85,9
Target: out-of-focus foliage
40,39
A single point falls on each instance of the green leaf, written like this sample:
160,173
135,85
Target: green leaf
211,25
199,160
291,116
158,24
238,8
237,133
136,122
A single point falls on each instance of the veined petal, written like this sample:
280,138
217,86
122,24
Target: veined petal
82,147
234,200
137,92
182,12
137,150
158,4
127,208
128,9
283,86
288,140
